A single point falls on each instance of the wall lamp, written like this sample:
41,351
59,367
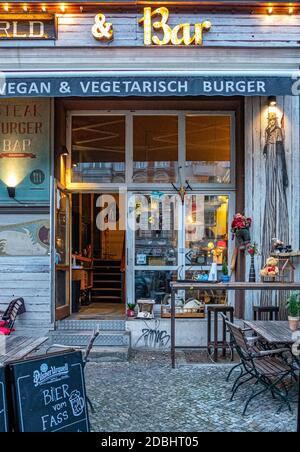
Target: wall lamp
272,101
64,151
11,192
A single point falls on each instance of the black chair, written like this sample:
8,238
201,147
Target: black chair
16,307
261,312
86,354
268,368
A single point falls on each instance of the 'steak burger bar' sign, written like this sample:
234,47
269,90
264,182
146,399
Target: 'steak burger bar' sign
31,27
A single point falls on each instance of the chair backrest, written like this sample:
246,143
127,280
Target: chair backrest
89,347
15,308
239,338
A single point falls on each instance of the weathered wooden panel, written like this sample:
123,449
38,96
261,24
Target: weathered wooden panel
164,59
228,30
30,278
256,115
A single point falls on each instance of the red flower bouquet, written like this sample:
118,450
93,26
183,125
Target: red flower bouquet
240,222
240,229
252,249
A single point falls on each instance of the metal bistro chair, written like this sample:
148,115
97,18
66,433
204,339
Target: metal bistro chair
269,368
86,354
16,307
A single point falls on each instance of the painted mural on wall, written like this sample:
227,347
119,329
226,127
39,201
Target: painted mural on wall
25,150
25,239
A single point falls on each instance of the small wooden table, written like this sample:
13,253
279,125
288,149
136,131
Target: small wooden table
273,332
18,347
232,286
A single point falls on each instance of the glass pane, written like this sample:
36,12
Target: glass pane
98,149
155,148
208,145
154,285
156,236
62,244
206,222
61,288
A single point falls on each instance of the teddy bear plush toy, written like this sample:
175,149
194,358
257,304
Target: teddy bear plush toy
271,267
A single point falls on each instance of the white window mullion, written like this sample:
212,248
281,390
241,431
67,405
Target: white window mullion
181,144
129,148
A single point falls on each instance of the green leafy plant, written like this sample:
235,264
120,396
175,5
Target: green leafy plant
293,305
131,306
225,266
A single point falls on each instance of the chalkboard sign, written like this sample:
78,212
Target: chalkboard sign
49,394
3,405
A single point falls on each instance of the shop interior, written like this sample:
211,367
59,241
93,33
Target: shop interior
98,258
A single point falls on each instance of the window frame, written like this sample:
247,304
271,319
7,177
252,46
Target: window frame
129,184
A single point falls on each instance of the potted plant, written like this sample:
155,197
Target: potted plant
293,308
240,229
130,310
225,276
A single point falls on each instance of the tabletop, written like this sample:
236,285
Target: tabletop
18,347
234,285
273,332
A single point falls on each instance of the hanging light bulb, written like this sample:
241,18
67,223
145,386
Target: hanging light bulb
44,9
25,8
270,10
291,10
63,8
6,7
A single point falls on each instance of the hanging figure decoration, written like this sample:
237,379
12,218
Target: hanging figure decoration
183,189
276,217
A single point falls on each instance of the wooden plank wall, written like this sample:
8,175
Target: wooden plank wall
229,30
256,113
151,58
30,278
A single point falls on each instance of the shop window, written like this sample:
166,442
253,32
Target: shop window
208,149
206,226
98,149
153,285
156,237
155,149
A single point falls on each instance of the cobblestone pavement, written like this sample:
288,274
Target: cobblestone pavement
146,395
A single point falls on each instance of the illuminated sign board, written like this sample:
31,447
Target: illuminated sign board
27,27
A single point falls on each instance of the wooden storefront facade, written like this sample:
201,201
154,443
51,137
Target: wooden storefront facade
247,55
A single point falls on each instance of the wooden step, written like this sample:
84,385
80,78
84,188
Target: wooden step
107,284
106,299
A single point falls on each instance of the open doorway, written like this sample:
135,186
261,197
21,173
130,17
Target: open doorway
98,257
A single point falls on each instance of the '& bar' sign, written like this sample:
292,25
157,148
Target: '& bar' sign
157,30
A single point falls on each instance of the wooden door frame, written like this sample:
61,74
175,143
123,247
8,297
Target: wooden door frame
62,312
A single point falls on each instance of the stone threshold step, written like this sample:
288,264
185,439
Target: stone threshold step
82,338
90,325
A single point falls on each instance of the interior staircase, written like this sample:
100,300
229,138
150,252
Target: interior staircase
113,343
107,281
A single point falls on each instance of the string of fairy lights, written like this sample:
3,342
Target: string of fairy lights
63,8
